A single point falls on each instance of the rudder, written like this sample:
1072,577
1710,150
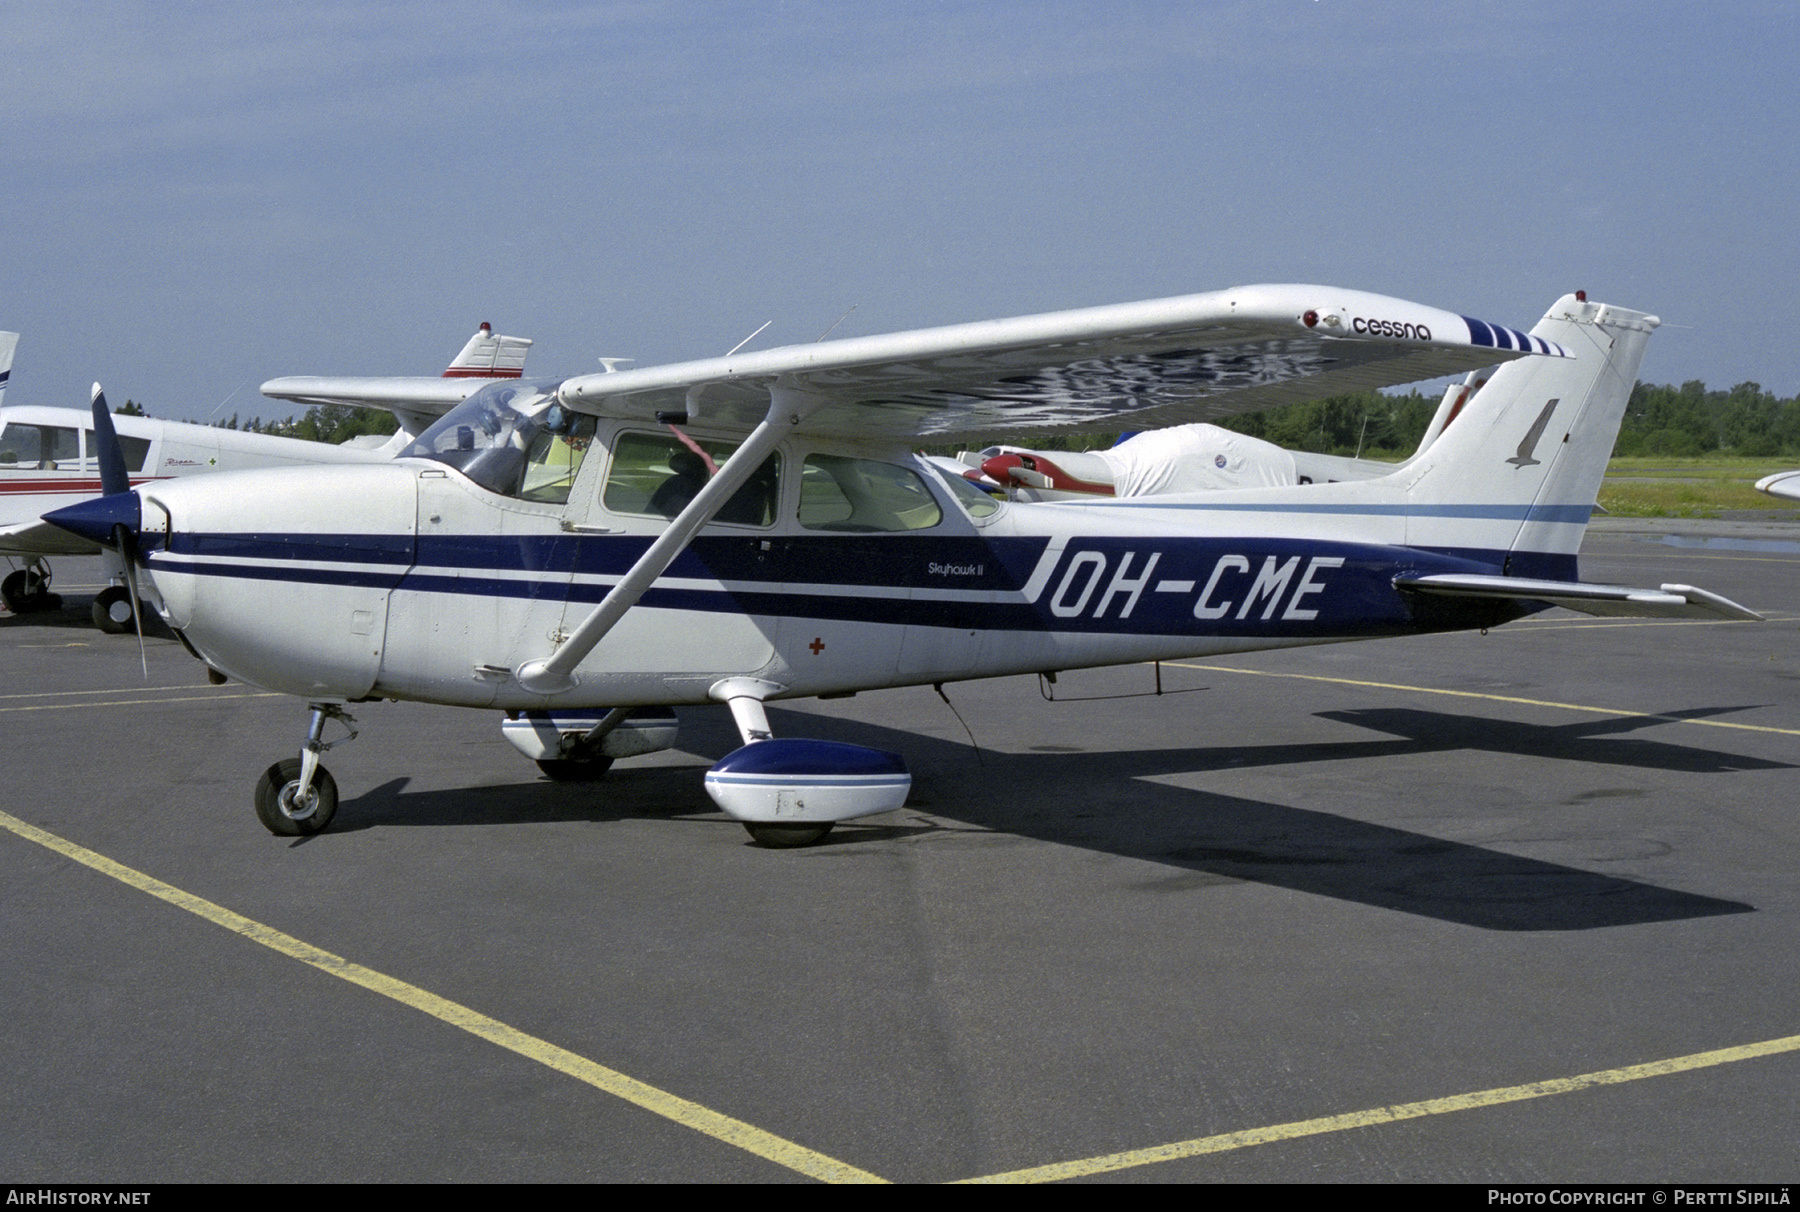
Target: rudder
1519,469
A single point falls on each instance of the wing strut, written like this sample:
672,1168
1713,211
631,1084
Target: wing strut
553,674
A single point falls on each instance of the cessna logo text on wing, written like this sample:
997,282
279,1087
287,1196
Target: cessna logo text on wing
1390,328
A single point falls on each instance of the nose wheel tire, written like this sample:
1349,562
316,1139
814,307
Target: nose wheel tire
112,610
786,837
286,815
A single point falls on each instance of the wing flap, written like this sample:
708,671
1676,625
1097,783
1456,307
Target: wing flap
1607,601
1158,363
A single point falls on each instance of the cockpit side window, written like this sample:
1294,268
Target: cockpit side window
40,447
658,474
841,493
553,459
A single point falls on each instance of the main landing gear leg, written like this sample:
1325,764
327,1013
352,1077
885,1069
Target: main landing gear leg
28,589
790,792
753,725
297,797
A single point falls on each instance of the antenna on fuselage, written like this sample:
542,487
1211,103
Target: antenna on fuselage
611,365
222,403
747,339
838,321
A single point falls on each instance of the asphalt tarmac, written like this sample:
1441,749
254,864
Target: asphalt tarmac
1519,907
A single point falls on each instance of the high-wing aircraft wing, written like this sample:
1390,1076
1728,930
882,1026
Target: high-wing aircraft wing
415,399
1162,362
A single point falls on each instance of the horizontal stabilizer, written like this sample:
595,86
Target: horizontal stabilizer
489,356
484,358
1669,602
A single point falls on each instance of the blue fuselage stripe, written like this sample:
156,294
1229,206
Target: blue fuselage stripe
1146,585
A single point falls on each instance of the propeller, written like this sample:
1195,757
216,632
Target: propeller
115,479
113,476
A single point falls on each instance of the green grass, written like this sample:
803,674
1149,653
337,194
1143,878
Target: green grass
1651,487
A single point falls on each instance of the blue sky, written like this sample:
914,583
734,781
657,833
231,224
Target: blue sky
204,196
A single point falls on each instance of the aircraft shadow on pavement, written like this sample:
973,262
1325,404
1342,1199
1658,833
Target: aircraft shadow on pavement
1596,742
1106,801
76,614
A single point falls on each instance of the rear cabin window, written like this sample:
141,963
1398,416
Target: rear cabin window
135,450
845,494
978,503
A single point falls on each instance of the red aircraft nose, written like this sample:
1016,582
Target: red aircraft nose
999,468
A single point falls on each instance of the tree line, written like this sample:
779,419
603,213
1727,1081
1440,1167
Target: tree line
333,423
1660,420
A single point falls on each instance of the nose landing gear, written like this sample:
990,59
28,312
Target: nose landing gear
297,797
112,610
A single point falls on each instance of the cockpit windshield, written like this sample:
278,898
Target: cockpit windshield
511,438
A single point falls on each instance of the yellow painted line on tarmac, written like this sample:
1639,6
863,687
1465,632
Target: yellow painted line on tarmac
1494,698
1228,1141
186,698
69,694
1563,624
659,1102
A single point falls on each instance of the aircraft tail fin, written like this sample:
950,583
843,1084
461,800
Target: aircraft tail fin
1516,464
488,356
8,342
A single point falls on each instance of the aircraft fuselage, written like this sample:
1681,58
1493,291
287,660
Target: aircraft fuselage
410,580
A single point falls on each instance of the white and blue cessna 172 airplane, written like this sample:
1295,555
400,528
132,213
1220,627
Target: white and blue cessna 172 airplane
49,458
586,554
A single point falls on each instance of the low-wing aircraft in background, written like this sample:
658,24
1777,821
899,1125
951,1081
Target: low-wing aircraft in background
586,554
49,458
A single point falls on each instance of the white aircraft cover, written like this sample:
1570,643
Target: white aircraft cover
1195,458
